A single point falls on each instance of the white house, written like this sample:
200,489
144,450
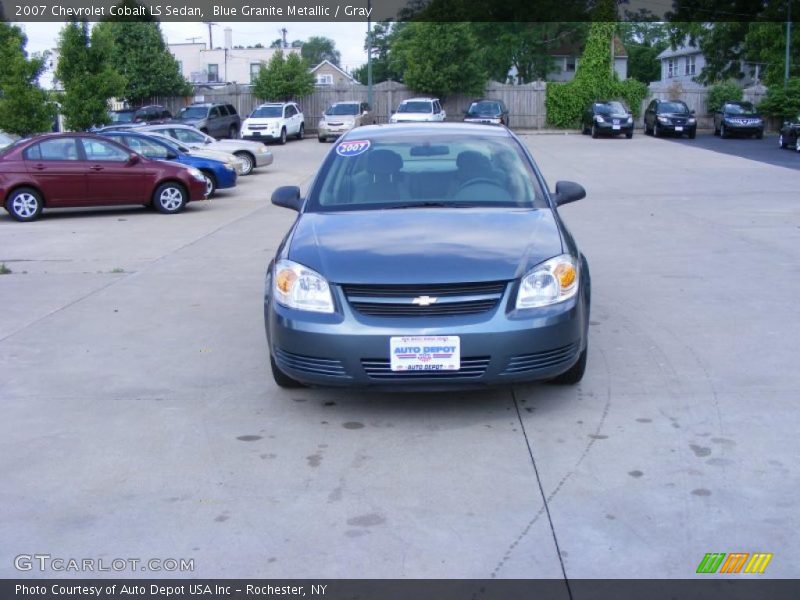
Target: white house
200,64
684,63
326,73
565,62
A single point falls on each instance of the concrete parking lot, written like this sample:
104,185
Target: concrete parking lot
140,419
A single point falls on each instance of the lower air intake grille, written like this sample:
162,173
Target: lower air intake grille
309,364
524,363
380,370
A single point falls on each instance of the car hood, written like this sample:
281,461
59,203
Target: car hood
412,116
621,116
676,115
263,120
425,245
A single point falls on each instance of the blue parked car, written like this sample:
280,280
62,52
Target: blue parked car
218,174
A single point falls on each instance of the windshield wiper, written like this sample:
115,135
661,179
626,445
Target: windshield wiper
431,204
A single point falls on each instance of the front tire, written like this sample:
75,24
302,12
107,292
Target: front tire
281,378
692,134
322,140
211,184
629,135
594,132
25,204
302,133
233,133
282,139
248,161
781,142
656,130
723,132
575,372
760,135
169,198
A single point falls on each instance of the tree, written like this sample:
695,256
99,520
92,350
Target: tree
644,40
140,55
319,48
383,34
24,106
438,58
86,74
283,78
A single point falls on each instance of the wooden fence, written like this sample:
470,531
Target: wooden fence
526,103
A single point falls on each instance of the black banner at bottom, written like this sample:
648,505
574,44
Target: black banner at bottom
403,589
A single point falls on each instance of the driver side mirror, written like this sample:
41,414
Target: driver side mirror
133,159
288,196
568,191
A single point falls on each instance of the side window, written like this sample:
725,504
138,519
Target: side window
57,149
290,111
231,110
165,114
436,108
188,136
145,147
103,151
214,113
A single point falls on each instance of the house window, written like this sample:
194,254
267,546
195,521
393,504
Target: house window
690,68
213,73
672,67
569,63
325,79
255,69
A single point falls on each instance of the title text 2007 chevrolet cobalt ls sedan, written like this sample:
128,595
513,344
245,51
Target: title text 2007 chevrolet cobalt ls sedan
427,256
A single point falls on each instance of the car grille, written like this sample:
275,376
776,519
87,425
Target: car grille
257,127
745,122
379,369
525,363
679,122
309,364
424,300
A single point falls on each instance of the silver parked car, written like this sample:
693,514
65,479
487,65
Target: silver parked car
341,117
253,154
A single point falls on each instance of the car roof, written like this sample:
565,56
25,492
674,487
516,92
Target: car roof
418,100
429,130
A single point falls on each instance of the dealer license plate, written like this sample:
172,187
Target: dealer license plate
678,128
425,353
615,127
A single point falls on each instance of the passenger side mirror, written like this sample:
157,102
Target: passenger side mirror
287,196
171,155
568,191
133,159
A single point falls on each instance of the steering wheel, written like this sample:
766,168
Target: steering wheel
479,181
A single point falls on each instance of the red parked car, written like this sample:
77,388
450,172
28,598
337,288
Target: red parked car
62,170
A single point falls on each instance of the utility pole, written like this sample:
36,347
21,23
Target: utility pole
194,39
210,39
284,31
788,40
369,54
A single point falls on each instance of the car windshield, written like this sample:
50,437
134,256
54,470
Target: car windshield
741,108
405,170
121,116
415,107
673,107
267,112
610,108
193,112
342,109
484,108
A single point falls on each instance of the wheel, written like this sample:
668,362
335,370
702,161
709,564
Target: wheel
233,133
169,198
716,130
656,130
594,131
575,372
629,135
248,160
692,134
302,133
760,135
281,378
211,184
24,204
723,131
322,140
282,140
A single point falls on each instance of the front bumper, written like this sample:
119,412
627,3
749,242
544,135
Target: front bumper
607,128
484,120
326,131
261,135
263,159
746,129
673,128
347,348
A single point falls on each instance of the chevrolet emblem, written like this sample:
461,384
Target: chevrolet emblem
424,300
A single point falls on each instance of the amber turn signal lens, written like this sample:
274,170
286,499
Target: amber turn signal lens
285,279
565,273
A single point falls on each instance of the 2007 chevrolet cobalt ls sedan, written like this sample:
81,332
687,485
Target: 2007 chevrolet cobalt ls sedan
427,256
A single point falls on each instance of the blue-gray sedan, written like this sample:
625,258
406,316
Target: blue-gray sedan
427,256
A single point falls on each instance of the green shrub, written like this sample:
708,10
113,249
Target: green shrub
782,102
593,81
720,93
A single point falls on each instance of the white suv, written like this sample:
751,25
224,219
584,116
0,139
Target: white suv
274,121
418,110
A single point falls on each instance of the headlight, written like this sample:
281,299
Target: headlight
630,119
230,167
196,174
321,124
663,120
349,123
692,120
553,281
600,119
299,287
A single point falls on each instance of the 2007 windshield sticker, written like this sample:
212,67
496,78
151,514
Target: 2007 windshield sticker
352,148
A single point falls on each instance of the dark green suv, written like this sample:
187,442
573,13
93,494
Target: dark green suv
217,120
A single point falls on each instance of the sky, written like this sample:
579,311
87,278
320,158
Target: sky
349,37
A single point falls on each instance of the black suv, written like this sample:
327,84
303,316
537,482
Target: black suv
217,120
738,118
151,114
790,134
669,116
487,111
607,117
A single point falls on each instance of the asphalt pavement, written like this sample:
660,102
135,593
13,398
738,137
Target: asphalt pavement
140,418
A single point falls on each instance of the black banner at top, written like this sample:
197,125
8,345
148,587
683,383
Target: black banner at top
396,10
